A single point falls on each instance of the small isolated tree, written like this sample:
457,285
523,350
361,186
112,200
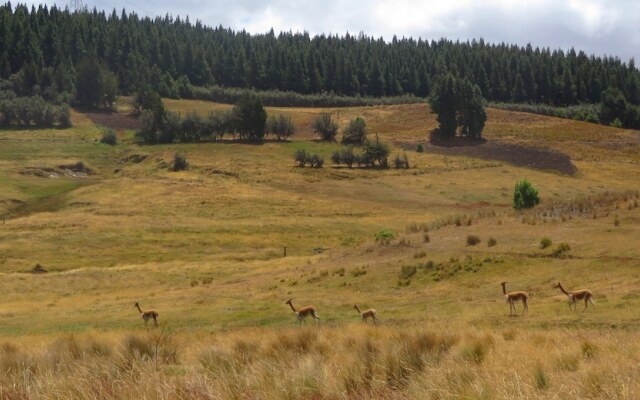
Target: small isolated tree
355,132
525,195
376,152
249,118
458,104
281,126
326,127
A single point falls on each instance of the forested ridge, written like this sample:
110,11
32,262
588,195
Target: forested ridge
42,47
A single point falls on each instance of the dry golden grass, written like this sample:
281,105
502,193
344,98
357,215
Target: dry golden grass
350,361
204,247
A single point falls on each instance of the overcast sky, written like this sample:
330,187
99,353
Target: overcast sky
601,27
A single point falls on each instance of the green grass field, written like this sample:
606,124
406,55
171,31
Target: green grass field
204,247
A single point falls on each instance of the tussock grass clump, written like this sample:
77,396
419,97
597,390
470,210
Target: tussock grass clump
477,348
420,254
407,271
600,204
588,349
545,242
472,240
568,362
560,250
541,379
492,242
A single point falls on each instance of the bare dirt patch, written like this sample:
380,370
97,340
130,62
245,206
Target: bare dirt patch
114,120
77,170
521,156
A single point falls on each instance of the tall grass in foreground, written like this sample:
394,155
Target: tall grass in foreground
339,362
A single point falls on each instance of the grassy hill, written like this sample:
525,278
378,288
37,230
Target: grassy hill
205,248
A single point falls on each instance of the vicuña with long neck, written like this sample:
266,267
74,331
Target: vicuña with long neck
574,296
366,314
513,297
147,315
304,312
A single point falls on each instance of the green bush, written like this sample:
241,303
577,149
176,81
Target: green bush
109,137
545,242
525,195
375,152
355,132
301,157
180,162
384,236
616,123
492,242
420,148
316,161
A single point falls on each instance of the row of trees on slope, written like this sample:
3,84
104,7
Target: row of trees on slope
42,51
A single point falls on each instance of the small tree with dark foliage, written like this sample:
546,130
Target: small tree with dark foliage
249,118
355,132
525,195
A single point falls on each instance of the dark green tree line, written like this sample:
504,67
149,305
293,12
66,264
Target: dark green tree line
42,49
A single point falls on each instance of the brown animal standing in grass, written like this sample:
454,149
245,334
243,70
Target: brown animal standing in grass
574,296
366,314
147,315
513,297
304,312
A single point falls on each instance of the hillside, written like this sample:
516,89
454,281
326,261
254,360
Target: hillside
205,248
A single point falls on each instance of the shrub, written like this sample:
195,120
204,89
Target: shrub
492,242
407,271
616,123
324,126
249,118
420,148
545,242
109,137
301,157
426,238
281,126
355,132
472,240
345,156
180,162
375,152
561,249
616,222
525,195
384,236
316,161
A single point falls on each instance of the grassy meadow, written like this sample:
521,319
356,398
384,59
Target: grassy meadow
205,248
